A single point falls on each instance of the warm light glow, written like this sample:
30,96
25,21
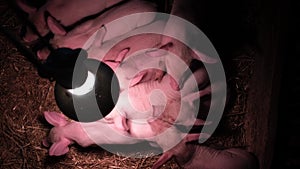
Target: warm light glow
86,87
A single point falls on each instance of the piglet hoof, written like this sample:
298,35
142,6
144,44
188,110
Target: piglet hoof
45,142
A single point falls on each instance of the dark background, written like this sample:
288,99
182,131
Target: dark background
287,145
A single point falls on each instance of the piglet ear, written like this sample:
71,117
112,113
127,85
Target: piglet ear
202,57
156,52
96,40
115,63
138,78
59,148
26,8
99,37
56,119
55,27
43,53
121,56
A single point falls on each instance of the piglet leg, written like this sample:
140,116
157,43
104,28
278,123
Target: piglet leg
166,156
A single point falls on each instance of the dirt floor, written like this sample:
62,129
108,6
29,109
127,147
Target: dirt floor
24,96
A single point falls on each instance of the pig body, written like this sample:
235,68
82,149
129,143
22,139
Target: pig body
167,59
159,114
146,103
79,36
66,12
190,156
65,133
84,31
157,108
153,106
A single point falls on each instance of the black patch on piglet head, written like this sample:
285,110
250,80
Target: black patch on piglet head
60,65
